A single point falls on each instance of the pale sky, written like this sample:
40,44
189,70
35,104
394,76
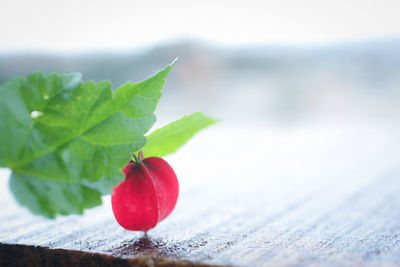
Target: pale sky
70,25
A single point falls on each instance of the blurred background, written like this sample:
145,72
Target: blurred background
259,62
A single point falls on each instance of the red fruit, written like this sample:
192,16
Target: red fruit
147,195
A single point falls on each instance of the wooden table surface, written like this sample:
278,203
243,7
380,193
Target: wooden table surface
319,193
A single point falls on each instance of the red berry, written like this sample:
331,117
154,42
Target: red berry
146,196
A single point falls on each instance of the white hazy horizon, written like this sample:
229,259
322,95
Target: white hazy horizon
69,25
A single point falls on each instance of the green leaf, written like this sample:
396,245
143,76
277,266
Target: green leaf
51,198
19,99
66,141
169,138
135,105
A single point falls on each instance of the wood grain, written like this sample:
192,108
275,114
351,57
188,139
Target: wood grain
315,194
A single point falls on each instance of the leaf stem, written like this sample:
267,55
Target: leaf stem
135,159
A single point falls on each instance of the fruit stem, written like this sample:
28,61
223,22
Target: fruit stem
135,159
138,159
140,156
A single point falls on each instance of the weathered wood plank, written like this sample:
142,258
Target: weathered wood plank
319,194
23,255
